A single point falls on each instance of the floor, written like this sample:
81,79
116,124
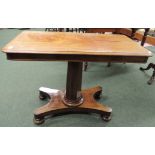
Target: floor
124,85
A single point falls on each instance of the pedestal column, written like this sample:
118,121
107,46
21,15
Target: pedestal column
73,95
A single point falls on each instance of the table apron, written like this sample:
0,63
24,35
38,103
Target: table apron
77,58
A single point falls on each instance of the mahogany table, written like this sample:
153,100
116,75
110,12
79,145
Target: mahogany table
74,48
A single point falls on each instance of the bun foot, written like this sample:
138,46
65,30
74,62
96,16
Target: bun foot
38,121
106,118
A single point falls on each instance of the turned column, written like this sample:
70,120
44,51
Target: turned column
73,95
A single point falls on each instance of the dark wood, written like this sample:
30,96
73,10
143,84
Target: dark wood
73,83
102,30
145,35
57,106
67,29
133,32
146,30
77,58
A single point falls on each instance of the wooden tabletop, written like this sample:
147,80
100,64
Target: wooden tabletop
74,43
65,43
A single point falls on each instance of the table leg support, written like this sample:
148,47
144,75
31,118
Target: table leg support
72,96
90,105
73,99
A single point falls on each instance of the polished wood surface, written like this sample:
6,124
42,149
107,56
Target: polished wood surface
35,42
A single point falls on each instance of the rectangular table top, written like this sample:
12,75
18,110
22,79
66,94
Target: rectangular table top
74,43
79,44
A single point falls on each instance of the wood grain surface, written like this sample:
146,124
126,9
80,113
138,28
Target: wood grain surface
65,43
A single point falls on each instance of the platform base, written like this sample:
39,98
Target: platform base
56,105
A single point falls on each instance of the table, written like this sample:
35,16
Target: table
74,48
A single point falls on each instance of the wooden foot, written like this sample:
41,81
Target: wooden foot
38,120
57,106
106,118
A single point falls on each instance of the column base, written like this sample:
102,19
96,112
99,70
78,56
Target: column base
56,104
